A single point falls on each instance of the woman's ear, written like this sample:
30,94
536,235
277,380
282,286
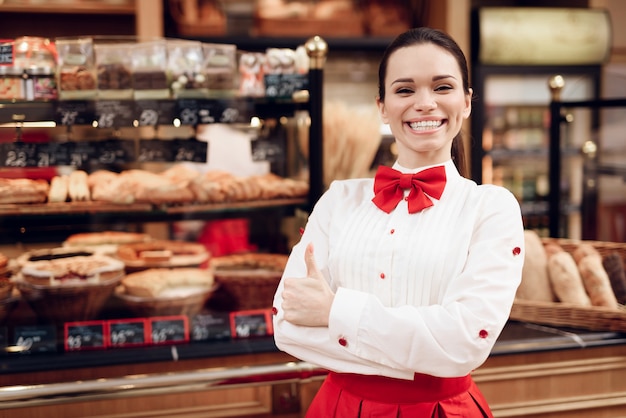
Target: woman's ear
468,104
381,110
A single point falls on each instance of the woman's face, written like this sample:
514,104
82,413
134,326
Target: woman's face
425,104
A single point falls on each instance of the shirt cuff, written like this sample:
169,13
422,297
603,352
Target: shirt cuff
345,317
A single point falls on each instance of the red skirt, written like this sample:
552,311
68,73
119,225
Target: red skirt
345,395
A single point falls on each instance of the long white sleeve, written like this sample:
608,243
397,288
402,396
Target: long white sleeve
427,292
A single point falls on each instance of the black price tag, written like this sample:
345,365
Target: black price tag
190,150
267,151
80,153
234,111
127,332
213,326
285,85
35,338
52,154
224,111
188,111
169,329
88,335
75,112
18,154
155,150
115,113
6,52
4,340
115,151
251,323
155,112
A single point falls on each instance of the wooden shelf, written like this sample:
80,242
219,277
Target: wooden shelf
71,8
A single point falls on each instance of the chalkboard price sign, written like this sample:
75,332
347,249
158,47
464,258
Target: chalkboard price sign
75,112
115,151
6,52
211,326
80,153
35,338
52,154
190,150
285,85
188,111
251,323
155,112
115,113
127,332
4,340
169,329
18,154
88,335
155,150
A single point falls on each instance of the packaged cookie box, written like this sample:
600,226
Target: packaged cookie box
560,314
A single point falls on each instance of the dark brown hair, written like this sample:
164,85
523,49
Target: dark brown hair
424,35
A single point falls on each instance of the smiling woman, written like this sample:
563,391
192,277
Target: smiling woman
401,284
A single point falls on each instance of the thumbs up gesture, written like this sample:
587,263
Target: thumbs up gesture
307,300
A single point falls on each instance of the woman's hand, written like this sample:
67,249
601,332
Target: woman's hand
307,301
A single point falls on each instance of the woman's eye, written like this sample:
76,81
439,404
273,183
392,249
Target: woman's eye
443,87
404,90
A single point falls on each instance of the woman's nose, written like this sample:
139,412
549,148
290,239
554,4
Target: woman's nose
424,101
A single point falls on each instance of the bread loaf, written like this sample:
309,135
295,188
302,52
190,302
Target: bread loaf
614,266
565,278
596,281
535,284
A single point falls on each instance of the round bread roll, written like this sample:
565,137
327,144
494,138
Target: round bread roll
165,282
535,284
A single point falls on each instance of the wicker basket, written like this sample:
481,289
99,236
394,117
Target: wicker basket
594,318
189,305
247,282
59,304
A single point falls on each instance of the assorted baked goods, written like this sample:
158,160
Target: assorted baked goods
23,190
167,282
72,271
580,275
105,242
162,253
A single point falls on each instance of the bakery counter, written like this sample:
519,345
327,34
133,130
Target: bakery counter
534,371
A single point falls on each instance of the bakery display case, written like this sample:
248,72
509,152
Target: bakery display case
76,206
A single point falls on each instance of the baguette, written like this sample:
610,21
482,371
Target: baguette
566,280
614,266
596,281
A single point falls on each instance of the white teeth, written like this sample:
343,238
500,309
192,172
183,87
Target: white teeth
424,125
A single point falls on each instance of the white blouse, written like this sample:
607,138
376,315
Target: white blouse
427,292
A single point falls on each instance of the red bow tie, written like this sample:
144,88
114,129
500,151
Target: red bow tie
389,186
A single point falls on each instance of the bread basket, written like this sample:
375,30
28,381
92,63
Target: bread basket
190,304
595,318
60,303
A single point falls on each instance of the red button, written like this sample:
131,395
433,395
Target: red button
406,198
342,342
483,334
392,231
301,230
274,310
517,251
382,275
